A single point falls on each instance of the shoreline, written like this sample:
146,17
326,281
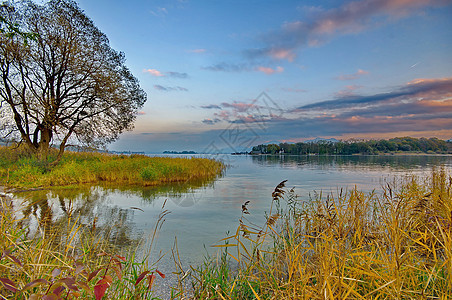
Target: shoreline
359,154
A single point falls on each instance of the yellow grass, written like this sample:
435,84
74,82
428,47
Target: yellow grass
391,244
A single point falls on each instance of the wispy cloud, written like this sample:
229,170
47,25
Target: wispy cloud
243,67
172,74
211,121
257,111
176,74
170,89
228,67
323,25
433,89
211,106
270,71
421,105
348,91
353,76
159,12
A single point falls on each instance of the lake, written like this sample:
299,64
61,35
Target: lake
199,216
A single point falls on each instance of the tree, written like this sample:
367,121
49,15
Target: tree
65,84
10,29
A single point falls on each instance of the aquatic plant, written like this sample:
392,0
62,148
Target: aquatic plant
390,244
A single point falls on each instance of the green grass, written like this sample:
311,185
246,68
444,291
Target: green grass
390,244
20,170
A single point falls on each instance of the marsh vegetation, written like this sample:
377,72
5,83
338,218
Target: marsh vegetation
19,169
395,243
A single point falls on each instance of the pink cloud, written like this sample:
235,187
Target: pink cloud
224,115
154,72
353,76
355,16
323,25
282,54
347,91
270,71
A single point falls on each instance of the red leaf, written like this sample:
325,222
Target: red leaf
142,275
69,282
34,283
118,272
108,279
151,281
33,297
8,284
121,257
93,274
50,297
99,290
57,291
119,265
6,252
13,258
160,273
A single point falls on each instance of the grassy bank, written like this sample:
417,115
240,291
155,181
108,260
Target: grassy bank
390,244
17,169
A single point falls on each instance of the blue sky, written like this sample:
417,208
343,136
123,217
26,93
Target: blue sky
225,75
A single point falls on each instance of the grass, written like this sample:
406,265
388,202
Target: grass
20,170
392,244
70,260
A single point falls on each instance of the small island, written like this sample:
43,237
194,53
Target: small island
179,152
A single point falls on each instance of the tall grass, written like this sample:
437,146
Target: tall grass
19,169
70,261
391,244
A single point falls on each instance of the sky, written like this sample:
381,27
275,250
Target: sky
222,76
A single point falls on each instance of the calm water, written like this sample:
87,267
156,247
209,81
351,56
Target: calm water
200,216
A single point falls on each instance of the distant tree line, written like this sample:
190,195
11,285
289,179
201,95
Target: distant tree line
372,147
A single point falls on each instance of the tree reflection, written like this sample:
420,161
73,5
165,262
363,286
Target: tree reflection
52,211
398,162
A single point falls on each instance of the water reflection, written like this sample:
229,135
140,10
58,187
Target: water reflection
53,211
397,162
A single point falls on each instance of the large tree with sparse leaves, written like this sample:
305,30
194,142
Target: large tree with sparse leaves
64,84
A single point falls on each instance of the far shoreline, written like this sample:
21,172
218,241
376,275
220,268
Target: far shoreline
380,154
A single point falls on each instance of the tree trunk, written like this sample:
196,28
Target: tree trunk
43,148
63,146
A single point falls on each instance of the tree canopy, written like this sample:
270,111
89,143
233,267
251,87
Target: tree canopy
66,84
403,144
